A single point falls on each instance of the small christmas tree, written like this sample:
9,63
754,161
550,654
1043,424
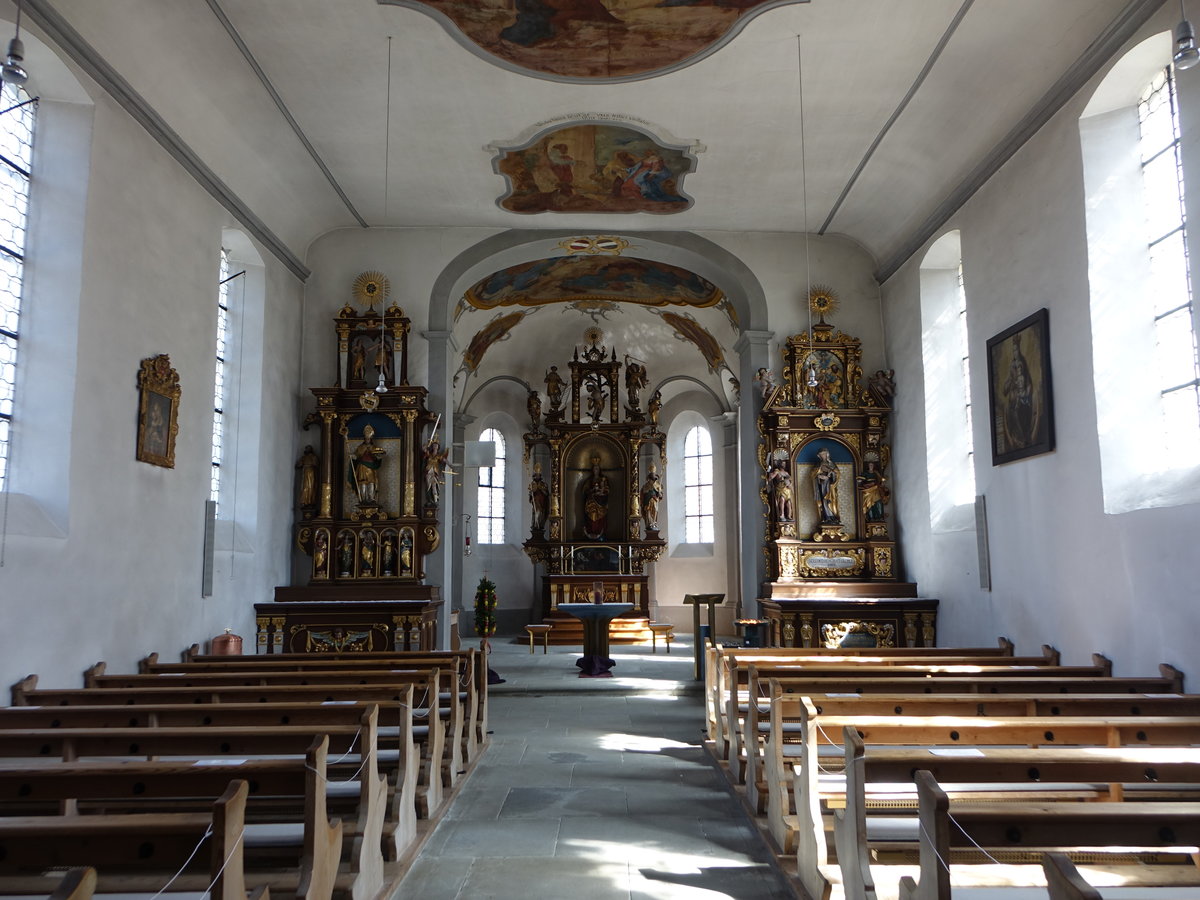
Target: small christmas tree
485,609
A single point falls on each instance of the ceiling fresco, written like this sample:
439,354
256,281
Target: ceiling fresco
590,39
594,169
567,279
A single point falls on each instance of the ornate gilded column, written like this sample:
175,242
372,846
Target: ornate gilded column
408,471
325,506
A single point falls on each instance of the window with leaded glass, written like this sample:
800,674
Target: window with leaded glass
1177,366
697,487
490,518
218,428
17,112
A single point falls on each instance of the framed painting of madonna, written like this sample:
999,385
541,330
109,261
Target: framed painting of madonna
158,411
1021,399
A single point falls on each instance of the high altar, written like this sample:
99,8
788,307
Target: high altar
368,498
596,485
831,559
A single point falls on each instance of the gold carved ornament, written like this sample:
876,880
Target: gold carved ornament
883,632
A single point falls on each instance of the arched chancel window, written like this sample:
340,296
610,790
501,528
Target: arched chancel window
16,158
490,518
697,487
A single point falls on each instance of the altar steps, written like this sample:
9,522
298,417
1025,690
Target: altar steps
622,630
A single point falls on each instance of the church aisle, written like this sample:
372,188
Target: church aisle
595,788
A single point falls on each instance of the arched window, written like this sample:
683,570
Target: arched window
1146,375
490,518
697,487
946,361
16,158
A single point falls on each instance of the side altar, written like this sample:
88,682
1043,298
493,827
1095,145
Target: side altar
597,463
831,559
368,496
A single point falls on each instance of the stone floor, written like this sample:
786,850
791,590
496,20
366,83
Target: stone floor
595,788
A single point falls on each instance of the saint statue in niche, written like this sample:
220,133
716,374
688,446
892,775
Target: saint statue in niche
595,503
365,462
652,493
825,477
539,499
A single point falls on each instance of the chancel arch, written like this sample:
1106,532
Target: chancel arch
503,331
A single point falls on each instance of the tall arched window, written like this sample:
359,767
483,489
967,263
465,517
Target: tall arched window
946,361
490,518
218,427
697,487
1146,375
16,158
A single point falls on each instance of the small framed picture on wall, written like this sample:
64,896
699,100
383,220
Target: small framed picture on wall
1020,394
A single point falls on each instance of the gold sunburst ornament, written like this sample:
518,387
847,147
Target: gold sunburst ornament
370,288
822,300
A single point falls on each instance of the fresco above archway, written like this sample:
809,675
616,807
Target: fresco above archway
590,39
567,279
597,169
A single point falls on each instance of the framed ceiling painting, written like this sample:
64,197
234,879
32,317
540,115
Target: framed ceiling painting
1020,392
158,411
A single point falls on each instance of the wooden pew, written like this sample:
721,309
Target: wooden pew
138,852
781,734
1038,828
399,760
744,679
232,751
450,703
718,658
435,760
472,665
1024,681
993,774
950,732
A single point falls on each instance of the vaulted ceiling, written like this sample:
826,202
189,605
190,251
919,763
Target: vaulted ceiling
321,114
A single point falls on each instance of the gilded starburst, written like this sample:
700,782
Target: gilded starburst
822,300
370,288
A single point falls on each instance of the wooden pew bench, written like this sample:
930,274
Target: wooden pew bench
139,853
749,681
718,659
818,780
434,771
768,784
879,681
399,760
471,665
232,751
451,703
883,776
1155,829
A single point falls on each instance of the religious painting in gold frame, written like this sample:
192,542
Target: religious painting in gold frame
158,411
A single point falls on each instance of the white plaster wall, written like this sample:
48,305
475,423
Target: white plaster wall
122,577
1063,571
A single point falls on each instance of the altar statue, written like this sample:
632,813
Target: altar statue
539,499
651,494
365,463
779,482
435,465
595,503
308,476
825,477
554,388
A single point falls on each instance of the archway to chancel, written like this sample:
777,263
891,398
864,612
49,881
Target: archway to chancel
517,308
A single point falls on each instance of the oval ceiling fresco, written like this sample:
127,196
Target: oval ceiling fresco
614,40
565,279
